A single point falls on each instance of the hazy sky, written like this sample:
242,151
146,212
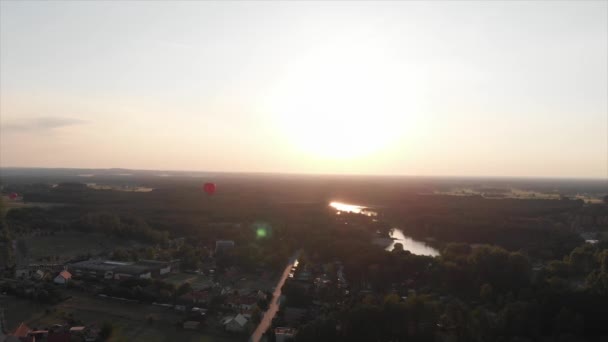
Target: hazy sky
510,88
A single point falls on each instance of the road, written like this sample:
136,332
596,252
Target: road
273,307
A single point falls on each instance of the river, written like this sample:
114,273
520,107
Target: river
396,234
409,244
273,307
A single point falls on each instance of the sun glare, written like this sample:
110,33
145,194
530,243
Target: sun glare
344,103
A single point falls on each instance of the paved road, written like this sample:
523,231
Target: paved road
273,307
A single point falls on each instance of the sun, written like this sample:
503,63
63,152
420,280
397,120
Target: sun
344,103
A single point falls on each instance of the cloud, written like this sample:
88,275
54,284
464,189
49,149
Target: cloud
42,123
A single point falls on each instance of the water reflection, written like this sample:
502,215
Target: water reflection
351,208
396,235
409,244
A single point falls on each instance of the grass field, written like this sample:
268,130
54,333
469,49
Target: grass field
71,244
129,319
197,281
18,310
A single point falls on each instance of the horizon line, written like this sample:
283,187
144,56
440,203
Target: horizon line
320,174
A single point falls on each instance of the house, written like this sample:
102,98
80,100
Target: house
222,246
236,323
283,334
107,269
243,303
22,330
63,277
60,336
132,271
262,295
191,325
195,297
40,275
293,316
157,268
95,269
22,273
21,334
39,335
77,330
197,314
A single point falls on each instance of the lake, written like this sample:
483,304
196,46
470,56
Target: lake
396,234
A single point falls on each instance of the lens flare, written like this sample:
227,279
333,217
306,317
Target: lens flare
262,229
261,233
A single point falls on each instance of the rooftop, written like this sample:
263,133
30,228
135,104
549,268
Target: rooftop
21,330
285,330
132,269
98,265
65,274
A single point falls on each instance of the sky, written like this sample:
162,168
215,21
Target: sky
479,88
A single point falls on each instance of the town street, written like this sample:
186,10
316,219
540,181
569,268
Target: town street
273,307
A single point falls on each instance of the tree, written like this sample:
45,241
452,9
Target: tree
183,289
106,330
398,247
256,314
6,247
263,303
486,293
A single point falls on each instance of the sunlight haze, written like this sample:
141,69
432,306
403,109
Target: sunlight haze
511,88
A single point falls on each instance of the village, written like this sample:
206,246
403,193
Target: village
162,295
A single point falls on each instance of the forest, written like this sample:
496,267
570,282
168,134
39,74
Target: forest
509,269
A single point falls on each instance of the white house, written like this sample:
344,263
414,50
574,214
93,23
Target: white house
223,245
192,325
22,272
63,277
236,323
39,274
284,334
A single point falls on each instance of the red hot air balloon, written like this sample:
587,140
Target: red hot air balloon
12,195
209,188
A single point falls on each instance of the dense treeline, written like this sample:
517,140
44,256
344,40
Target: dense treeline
502,222
126,226
479,294
180,206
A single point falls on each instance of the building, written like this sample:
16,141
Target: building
157,268
195,297
62,278
222,246
22,273
95,269
191,325
283,334
294,316
20,334
243,303
40,275
237,323
132,271
106,269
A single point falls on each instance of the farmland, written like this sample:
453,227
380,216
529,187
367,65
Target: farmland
132,321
